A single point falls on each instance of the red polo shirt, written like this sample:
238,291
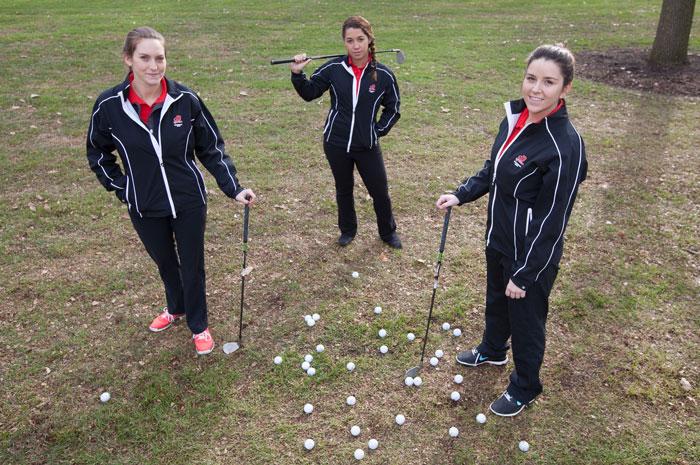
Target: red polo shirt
145,109
358,71
520,124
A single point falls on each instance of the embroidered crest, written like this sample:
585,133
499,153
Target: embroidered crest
177,121
520,160
372,88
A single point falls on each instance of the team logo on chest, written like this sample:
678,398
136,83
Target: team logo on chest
372,88
520,160
177,121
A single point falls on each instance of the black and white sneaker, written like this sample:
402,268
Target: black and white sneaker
507,405
474,358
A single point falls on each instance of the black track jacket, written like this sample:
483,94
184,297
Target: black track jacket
160,174
532,189
351,121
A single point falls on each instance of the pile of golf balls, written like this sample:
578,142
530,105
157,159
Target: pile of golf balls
481,418
410,337
524,446
350,366
355,430
278,360
309,444
454,432
351,400
459,379
455,396
457,332
383,349
400,419
434,361
382,333
377,310
372,444
446,326
308,408
359,454
105,396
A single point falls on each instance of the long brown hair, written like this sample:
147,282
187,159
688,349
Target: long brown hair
358,22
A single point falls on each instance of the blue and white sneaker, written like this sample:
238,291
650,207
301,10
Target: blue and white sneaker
474,358
507,405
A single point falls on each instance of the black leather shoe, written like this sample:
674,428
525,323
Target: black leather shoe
345,239
394,241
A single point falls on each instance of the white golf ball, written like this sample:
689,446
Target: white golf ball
459,379
308,408
417,381
524,446
446,326
377,310
409,381
355,430
308,358
454,432
350,366
355,274
457,332
439,353
373,444
400,419
105,396
308,317
481,418
410,337
383,349
311,371
351,400
278,360
359,454
382,332
434,361
310,322
316,316
305,365
455,396
309,444
320,348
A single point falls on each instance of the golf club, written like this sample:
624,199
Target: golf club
231,347
400,57
412,372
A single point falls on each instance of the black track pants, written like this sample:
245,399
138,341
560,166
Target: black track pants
177,247
521,320
370,165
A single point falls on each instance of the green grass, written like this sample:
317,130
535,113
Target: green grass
78,289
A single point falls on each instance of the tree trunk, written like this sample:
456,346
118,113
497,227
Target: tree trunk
673,33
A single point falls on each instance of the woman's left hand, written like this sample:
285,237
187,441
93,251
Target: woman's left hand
246,197
513,291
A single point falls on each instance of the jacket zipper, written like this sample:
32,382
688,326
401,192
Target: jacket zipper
355,98
528,219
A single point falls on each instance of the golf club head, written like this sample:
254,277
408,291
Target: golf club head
412,372
231,347
400,57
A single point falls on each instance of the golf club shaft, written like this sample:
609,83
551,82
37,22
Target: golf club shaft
246,216
318,57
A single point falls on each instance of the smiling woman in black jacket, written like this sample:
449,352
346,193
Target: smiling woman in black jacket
359,86
157,126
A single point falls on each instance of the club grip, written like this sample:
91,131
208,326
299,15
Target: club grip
444,229
279,62
246,216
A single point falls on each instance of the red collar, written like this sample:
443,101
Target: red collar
355,69
145,109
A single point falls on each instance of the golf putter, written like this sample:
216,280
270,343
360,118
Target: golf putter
231,347
412,372
400,57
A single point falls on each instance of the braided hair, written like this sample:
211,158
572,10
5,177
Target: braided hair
358,22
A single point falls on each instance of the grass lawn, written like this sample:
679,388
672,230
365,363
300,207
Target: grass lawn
78,290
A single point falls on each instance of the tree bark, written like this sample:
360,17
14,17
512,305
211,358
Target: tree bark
673,33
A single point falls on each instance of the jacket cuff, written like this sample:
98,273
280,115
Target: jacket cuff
521,282
461,196
237,191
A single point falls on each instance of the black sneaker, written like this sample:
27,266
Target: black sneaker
345,239
507,405
474,358
394,241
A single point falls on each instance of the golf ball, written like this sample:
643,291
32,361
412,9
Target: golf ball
434,361
359,454
310,322
459,379
308,317
278,360
311,371
373,444
105,396
400,419
316,316
454,432
320,348
417,381
455,396
308,408
377,310
524,446
350,366
309,444
351,400
355,430
481,418
382,332
383,349
409,381
410,336
446,326
308,358
305,365
355,274
439,353
457,332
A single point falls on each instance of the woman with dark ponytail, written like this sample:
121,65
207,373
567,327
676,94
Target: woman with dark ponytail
359,86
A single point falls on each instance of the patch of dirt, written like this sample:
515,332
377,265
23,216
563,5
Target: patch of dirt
628,68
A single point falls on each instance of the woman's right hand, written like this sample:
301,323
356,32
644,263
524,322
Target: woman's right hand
299,62
447,200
